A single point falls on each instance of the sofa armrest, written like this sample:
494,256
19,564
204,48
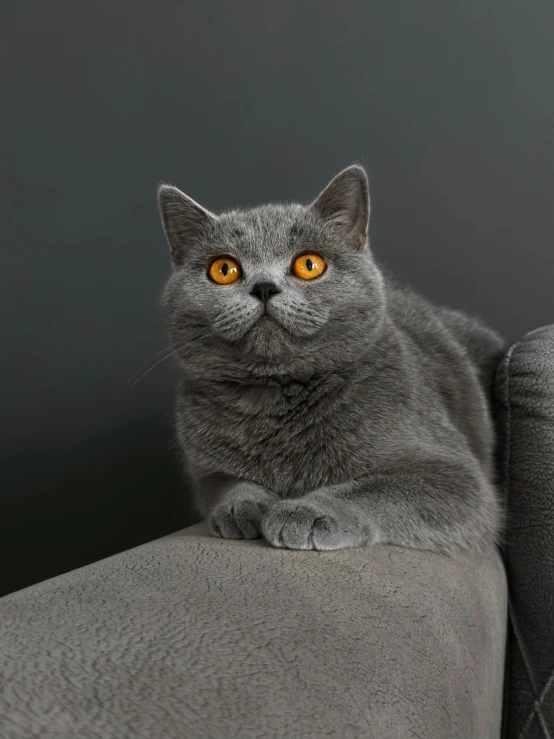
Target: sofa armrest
204,638
525,393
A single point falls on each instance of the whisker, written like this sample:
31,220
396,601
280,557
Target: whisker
174,351
142,366
163,359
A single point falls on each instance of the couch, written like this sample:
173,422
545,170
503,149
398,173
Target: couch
193,637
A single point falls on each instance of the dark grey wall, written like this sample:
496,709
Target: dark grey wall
450,106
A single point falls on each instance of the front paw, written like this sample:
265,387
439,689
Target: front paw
307,524
239,517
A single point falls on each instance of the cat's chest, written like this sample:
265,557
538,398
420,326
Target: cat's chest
291,440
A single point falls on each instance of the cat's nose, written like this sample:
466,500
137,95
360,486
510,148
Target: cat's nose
264,290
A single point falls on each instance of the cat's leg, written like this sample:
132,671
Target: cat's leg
234,509
437,504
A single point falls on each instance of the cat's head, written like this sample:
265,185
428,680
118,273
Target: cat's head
278,289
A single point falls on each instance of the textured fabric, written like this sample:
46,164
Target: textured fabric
191,637
526,395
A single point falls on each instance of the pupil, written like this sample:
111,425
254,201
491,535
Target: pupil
309,264
224,269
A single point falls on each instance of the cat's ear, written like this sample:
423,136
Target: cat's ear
185,222
345,203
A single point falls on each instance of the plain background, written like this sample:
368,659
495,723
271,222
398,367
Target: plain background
449,105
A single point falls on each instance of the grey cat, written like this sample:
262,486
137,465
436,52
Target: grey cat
321,405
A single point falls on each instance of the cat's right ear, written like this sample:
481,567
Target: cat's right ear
185,222
344,204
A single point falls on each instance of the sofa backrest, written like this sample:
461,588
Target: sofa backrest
525,405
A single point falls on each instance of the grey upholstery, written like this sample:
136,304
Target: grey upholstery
191,637
525,391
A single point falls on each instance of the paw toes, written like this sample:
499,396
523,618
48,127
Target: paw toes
295,532
239,521
288,527
295,526
248,517
223,524
322,533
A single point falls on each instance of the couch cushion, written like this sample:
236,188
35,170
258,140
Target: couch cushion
525,391
201,638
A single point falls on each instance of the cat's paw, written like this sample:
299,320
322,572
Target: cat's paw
310,524
238,518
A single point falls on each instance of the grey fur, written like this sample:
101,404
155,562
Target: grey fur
354,413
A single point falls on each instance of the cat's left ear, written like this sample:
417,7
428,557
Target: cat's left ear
345,203
185,222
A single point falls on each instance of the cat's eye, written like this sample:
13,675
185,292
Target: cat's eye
224,270
308,266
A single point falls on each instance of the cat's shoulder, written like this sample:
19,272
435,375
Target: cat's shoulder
409,309
433,326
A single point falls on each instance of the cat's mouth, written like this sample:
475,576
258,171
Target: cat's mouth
265,319
267,324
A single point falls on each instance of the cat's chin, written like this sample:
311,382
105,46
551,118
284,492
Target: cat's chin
266,326
267,337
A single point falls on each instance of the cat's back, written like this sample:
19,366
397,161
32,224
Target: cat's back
451,360
444,335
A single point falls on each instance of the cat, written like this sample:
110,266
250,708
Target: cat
323,406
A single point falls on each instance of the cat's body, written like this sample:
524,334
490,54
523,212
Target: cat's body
343,413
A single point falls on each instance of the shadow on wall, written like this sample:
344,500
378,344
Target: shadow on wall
109,494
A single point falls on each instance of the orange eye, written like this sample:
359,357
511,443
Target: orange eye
308,266
224,270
